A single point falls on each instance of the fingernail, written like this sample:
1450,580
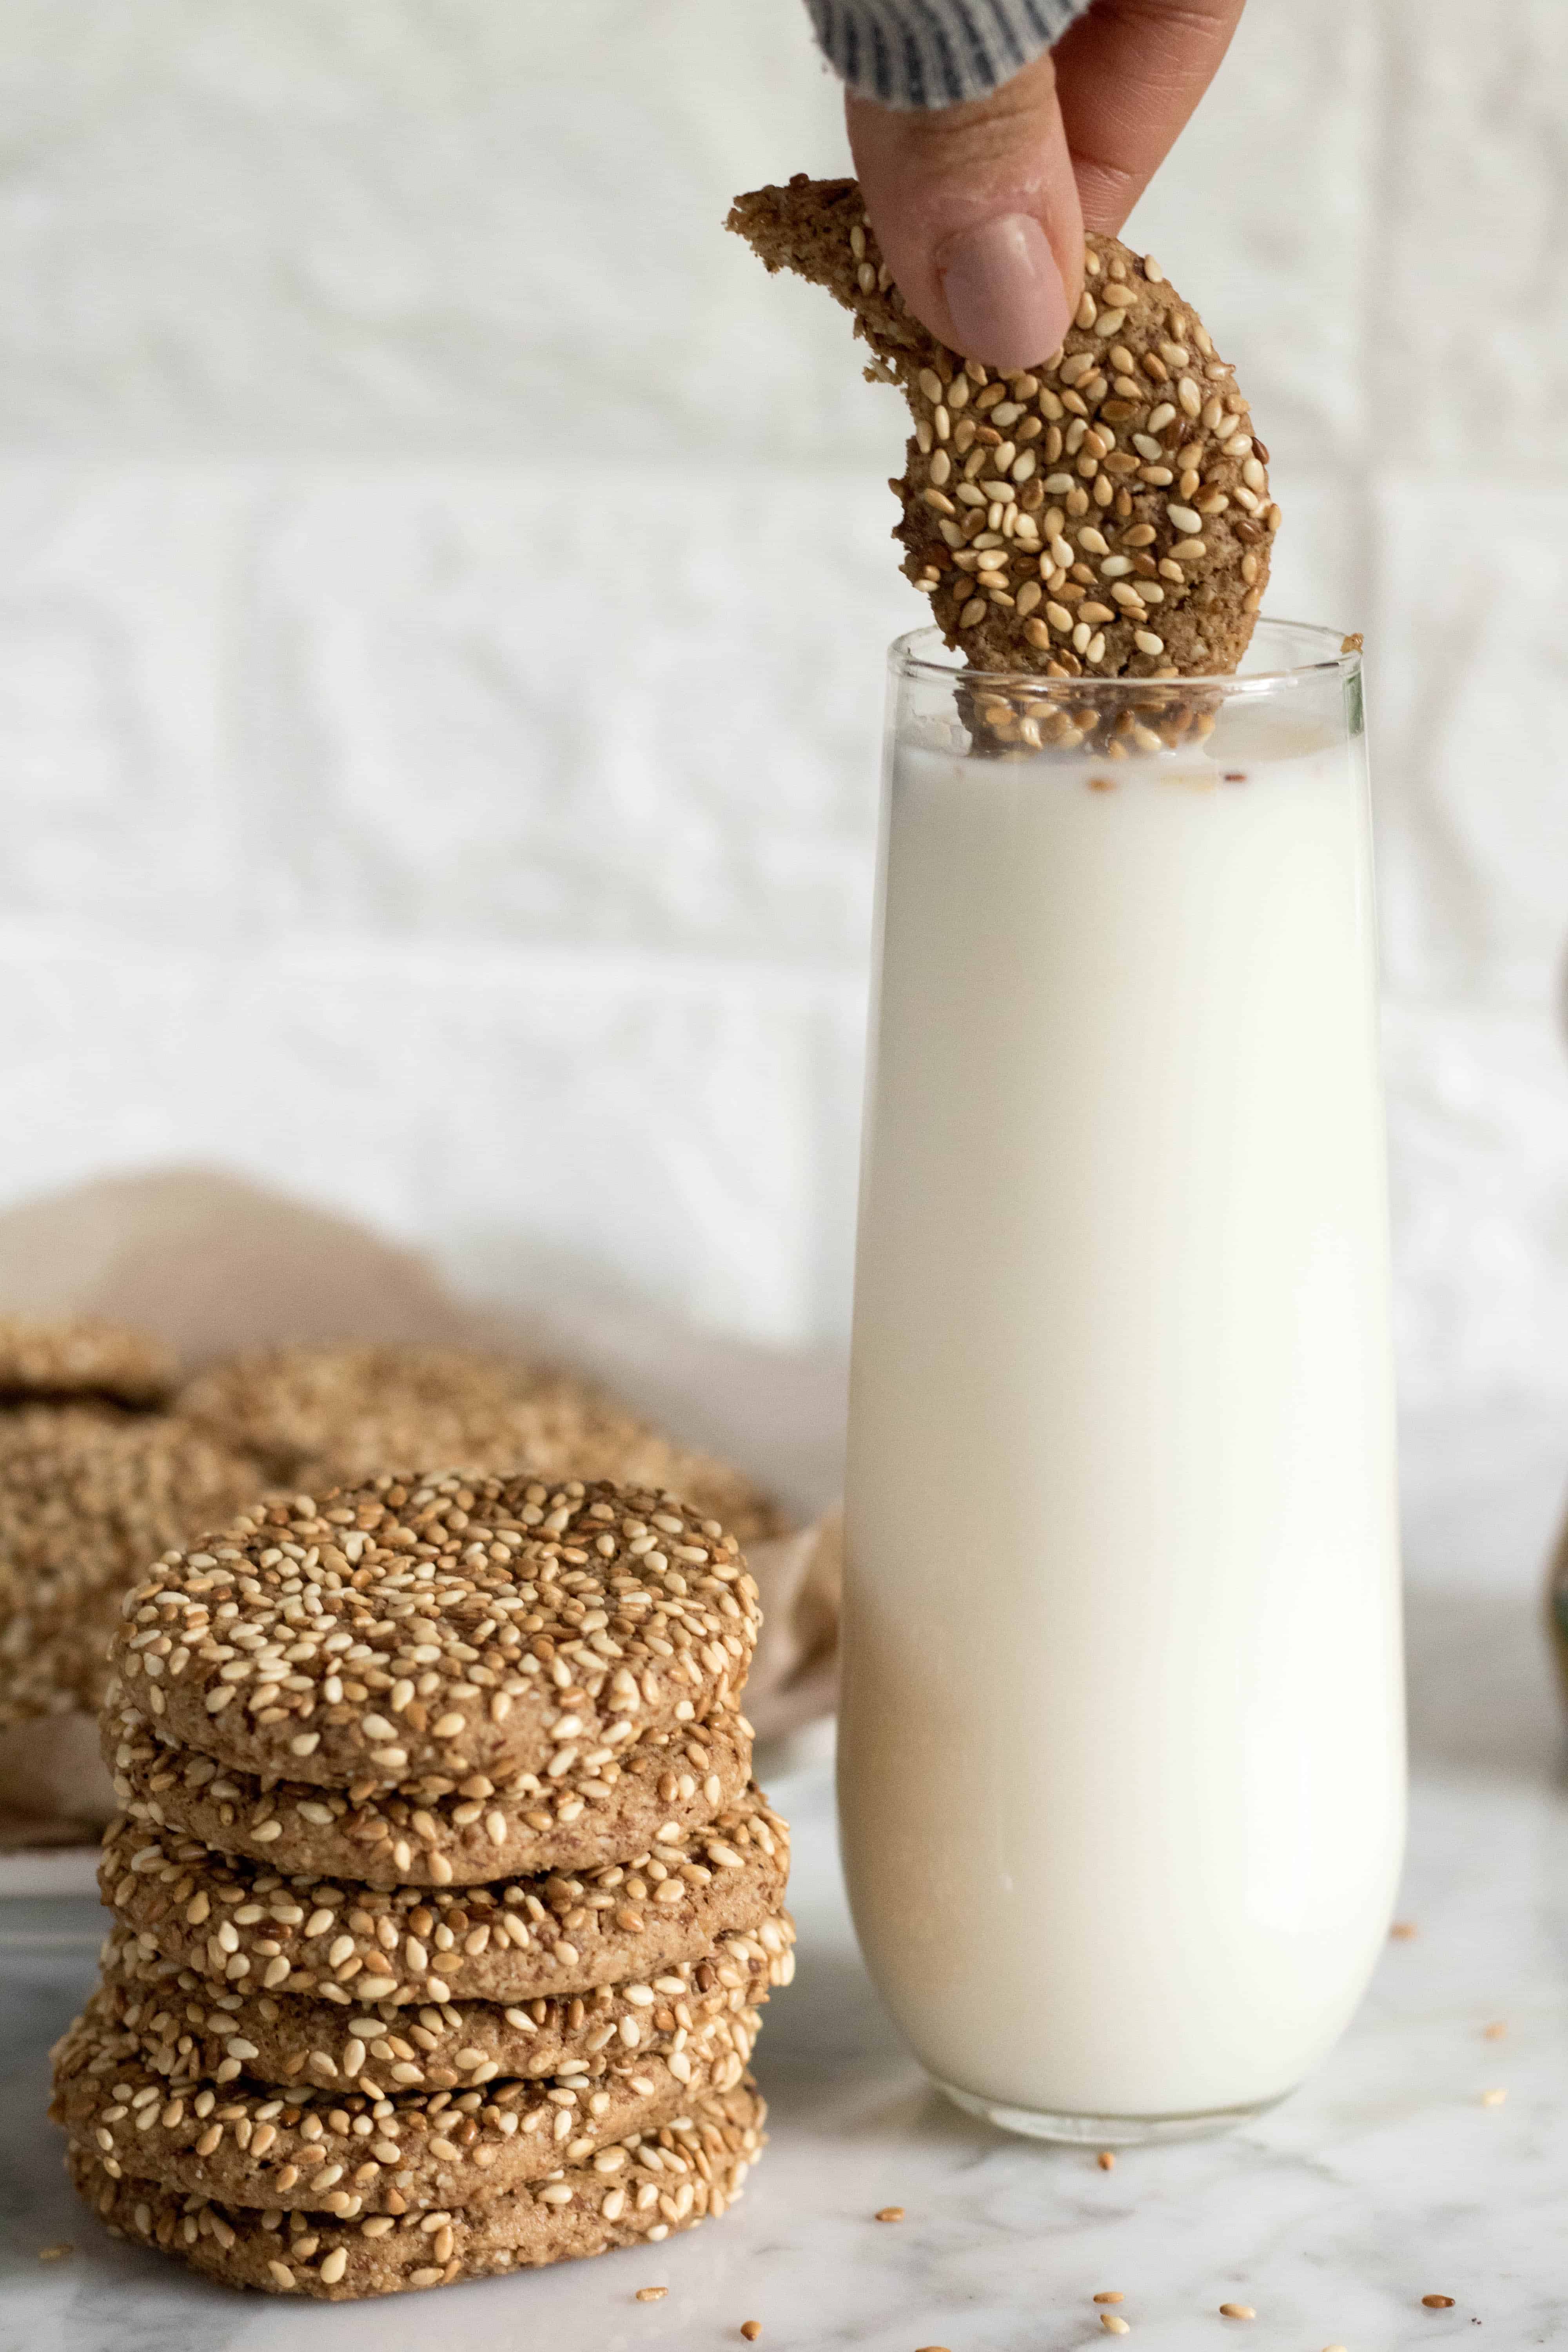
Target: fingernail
1005,293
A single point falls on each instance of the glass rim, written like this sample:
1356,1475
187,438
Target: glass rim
910,656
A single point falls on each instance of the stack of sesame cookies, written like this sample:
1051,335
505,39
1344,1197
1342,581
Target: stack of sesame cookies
443,1898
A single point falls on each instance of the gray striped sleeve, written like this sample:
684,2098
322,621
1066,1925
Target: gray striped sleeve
935,52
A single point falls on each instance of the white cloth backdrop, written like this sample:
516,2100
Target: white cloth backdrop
442,593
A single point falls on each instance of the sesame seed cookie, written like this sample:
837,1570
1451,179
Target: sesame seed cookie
692,2167
346,2153
453,1624
437,1834
320,1416
242,1922
77,1356
217,2033
88,1497
1105,514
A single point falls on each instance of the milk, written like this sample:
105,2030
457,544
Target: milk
1122,1745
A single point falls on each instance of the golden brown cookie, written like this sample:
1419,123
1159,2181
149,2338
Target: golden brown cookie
88,1496
320,1416
449,1625
81,1356
246,1925
345,2152
611,1803
1104,513
209,2029
691,2169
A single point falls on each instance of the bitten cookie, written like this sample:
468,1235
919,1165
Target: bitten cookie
448,1625
190,2023
690,2169
1104,513
346,2153
241,1923
79,1356
321,1416
439,1833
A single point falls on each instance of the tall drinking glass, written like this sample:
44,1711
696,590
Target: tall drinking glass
1121,1748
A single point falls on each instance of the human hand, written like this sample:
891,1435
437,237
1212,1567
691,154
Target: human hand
980,210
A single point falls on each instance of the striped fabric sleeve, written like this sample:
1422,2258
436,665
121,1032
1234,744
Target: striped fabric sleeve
935,52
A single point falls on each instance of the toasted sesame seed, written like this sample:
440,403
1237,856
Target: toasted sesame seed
1237,2311
890,2213
652,2294
1439,2301
1495,2032
1105,2159
1403,1931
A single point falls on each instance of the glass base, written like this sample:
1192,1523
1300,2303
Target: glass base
1102,2131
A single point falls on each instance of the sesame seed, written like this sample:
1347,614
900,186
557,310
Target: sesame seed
1237,2311
652,2294
56,2253
1403,1931
1495,2032
890,2213
1113,2324
1439,2301
1493,2098
1105,2159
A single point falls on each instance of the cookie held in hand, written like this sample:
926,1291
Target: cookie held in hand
1104,514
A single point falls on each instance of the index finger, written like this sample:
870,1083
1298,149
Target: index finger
1129,74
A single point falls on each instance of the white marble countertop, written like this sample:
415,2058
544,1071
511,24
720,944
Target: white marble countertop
1387,2177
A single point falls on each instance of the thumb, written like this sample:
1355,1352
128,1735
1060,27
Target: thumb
976,211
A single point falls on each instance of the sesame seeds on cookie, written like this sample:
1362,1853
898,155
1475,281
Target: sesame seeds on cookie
438,1831
334,1414
83,1356
347,2152
188,2021
89,1495
241,1923
1105,514
692,2167
451,1624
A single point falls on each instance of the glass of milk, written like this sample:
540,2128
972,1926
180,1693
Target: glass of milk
1121,1747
